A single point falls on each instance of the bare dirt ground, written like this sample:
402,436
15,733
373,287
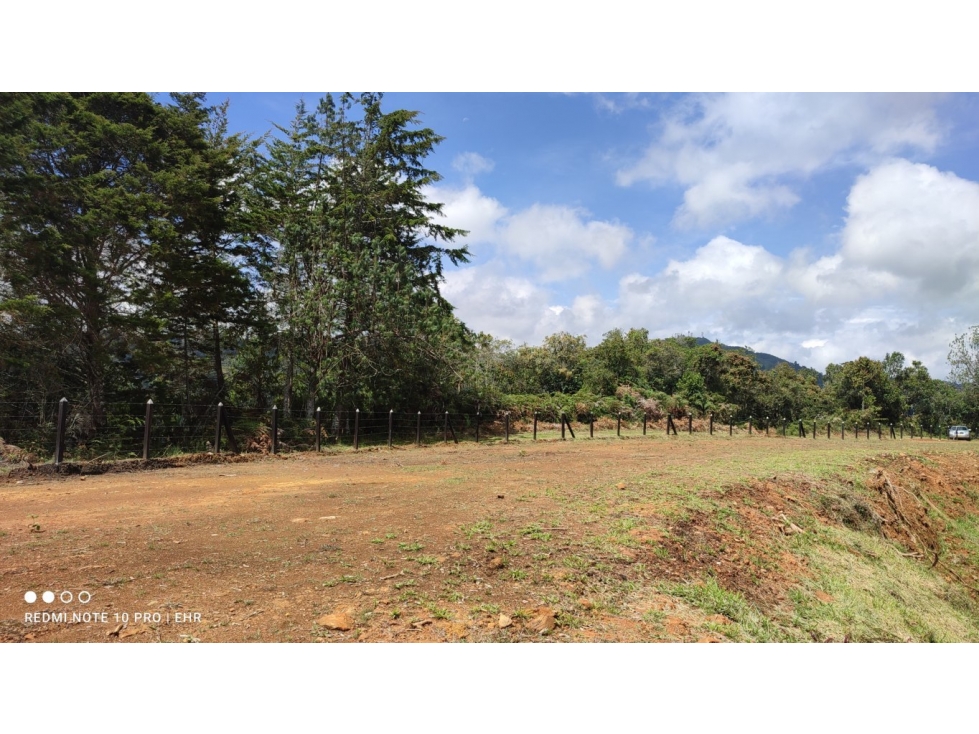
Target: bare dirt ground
571,541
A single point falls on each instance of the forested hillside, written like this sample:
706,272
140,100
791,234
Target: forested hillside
148,253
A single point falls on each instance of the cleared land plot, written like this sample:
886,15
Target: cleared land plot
692,538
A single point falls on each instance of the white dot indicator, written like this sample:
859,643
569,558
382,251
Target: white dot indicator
87,597
30,597
67,594
48,597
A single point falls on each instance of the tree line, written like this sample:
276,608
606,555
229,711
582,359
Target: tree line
147,252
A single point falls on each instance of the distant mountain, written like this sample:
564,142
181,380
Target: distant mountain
765,361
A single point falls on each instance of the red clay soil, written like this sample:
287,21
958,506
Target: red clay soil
470,542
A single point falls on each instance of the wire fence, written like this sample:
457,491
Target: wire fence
59,431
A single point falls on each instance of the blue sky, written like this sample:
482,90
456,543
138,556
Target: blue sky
817,227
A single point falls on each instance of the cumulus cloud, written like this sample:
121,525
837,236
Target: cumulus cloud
471,164
468,208
487,299
915,222
737,155
561,241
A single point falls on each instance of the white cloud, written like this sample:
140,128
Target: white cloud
918,223
736,155
467,208
471,164
561,241
487,299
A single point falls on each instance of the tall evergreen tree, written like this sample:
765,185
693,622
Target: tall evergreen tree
359,254
82,205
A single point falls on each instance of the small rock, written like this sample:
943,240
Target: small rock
299,519
81,479
497,563
499,496
620,485
504,621
132,631
544,622
338,621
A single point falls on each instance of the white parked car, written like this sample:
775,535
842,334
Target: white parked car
956,432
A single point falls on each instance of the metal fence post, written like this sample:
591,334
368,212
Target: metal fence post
59,438
418,430
535,426
319,424
275,429
644,423
868,431
147,429
217,430
506,423
445,428
730,427
749,425
618,425
477,426
690,424
356,429
711,424
562,426
390,428
591,426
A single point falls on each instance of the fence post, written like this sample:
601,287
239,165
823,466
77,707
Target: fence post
391,428
445,428
418,430
356,429
711,424
535,426
766,425
591,426
217,431
802,429
59,438
868,431
568,422
690,424
730,426
477,426
275,429
562,425
506,423
814,430
644,423
147,429
785,424
880,433
319,425
749,425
